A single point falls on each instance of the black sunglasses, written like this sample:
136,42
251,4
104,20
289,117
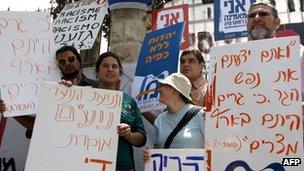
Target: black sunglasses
62,61
261,14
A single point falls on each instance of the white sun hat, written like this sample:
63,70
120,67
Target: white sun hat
179,82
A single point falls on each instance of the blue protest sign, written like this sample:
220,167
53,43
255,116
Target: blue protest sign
158,59
230,18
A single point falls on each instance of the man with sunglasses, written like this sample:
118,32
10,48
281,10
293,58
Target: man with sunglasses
69,62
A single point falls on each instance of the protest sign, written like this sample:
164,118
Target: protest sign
78,23
165,17
158,58
230,18
27,59
175,159
256,116
75,129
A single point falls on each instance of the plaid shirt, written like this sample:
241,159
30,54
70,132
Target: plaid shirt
198,91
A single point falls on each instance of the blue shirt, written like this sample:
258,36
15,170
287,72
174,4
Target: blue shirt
190,136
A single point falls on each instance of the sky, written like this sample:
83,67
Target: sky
24,5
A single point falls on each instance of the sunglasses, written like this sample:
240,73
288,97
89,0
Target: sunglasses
62,61
261,14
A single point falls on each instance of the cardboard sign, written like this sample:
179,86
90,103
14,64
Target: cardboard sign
27,59
158,59
230,18
78,24
256,116
165,17
75,129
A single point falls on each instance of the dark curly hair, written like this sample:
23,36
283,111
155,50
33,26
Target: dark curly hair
105,55
198,55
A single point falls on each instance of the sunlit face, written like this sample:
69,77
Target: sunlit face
191,67
68,64
108,73
165,93
261,22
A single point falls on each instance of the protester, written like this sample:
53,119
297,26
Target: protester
131,130
192,64
70,65
175,93
263,20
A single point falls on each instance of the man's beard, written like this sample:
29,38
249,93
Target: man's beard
260,33
70,76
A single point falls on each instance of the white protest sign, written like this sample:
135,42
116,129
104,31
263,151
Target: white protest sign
78,23
75,129
27,59
175,159
256,121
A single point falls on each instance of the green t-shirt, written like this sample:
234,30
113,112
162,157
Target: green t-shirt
131,115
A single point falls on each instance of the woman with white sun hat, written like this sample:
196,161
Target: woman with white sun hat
182,124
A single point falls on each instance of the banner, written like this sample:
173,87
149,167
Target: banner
230,18
175,159
256,117
158,58
27,59
75,129
165,17
78,23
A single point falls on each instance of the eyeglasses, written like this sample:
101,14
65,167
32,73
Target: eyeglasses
261,14
62,61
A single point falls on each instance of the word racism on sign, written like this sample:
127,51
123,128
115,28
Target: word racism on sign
230,18
256,87
168,16
78,122
78,23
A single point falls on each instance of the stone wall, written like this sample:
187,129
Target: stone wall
128,28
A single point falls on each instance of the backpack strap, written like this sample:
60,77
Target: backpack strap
186,118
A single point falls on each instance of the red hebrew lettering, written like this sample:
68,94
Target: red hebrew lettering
102,163
65,113
286,76
278,146
277,53
248,79
278,120
235,60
